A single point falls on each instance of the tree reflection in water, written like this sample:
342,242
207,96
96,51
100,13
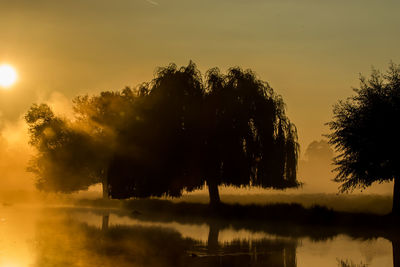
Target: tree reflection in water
112,237
396,252
70,243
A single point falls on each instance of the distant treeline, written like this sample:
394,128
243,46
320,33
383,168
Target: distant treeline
174,133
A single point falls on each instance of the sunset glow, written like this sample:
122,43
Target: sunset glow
8,76
162,133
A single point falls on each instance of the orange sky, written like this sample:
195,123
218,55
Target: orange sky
310,51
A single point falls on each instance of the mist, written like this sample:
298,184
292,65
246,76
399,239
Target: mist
15,151
315,166
14,156
252,225
199,133
316,171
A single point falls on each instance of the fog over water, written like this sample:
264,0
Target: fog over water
68,236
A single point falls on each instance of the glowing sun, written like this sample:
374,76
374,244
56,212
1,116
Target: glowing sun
8,76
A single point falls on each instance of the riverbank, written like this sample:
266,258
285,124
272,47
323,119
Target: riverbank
292,220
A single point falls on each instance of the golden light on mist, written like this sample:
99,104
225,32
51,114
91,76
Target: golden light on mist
8,76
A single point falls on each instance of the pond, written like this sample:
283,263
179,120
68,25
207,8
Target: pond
72,236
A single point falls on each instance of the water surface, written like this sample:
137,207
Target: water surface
71,236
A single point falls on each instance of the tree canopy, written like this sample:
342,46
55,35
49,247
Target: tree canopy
364,132
63,151
249,139
174,133
319,151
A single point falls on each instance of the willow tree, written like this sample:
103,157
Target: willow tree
249,139
230,130
365,133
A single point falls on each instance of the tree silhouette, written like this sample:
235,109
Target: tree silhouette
249,139
72,155
319,151
62,163
106,117
365,134
172,134
165,138
230,130
315,168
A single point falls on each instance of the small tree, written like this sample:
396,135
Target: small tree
67,159
74,154
319,151
365,133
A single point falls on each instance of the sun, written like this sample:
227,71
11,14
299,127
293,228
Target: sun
8,76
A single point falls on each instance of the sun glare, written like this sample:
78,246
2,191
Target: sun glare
8,76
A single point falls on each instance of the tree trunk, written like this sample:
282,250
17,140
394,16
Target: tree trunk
106,218
396,253
213,193
396,196
105,188
290,255
212,243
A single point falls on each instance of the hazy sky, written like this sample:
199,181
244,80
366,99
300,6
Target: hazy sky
310,51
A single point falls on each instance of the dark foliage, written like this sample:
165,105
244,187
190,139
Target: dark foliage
62,163
365,133
175,133
249,139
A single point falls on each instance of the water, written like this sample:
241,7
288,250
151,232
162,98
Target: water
68,236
